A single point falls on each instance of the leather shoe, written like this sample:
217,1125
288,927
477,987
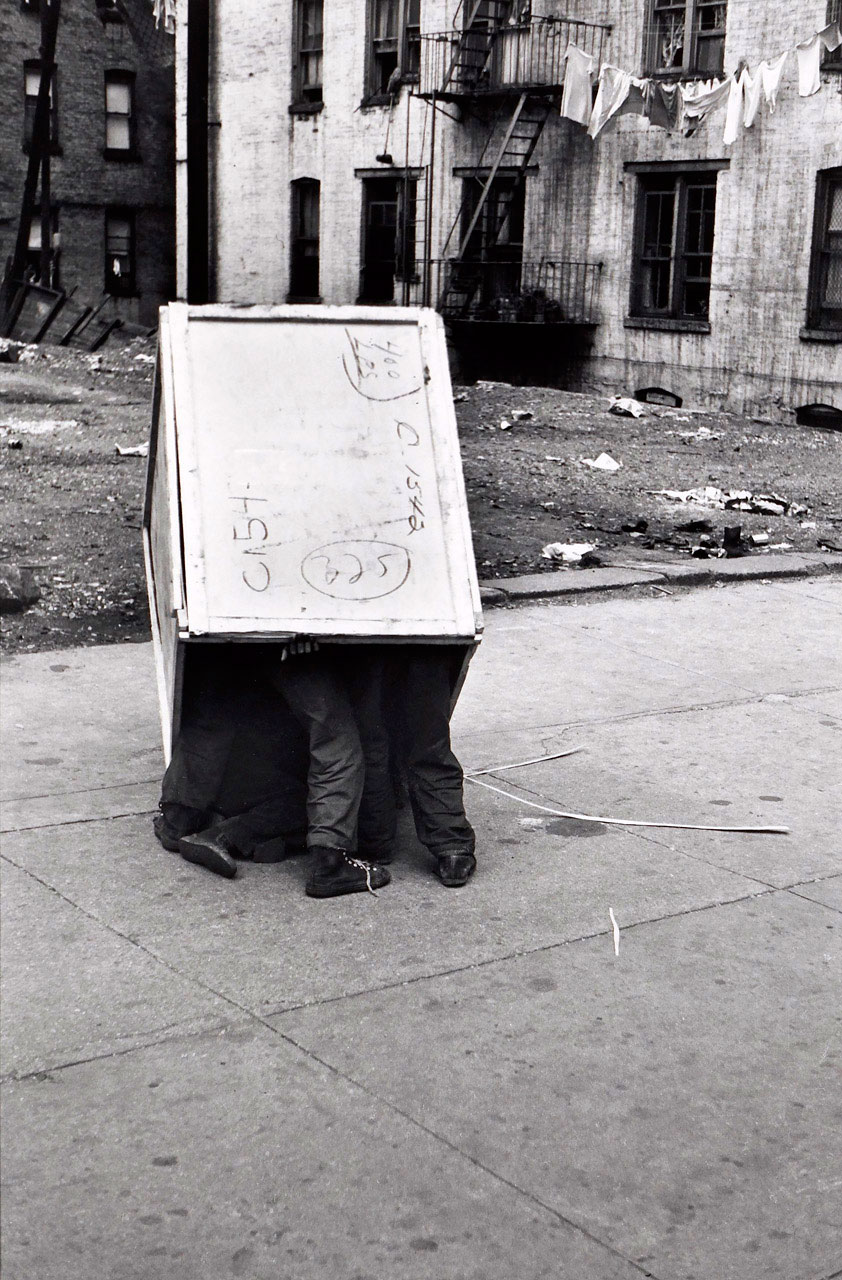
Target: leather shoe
335,873
209,851
455,869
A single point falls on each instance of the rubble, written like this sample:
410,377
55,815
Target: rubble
733,500
626,407
580,553
133,450
604,462
18,588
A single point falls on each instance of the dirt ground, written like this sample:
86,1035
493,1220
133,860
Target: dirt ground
72,505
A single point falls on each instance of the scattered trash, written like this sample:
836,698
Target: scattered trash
14,444
771,504
780,546
702,433
581,553
808,524
39,426
521,415
626,407
18,588
759,539
616,929
828,544
549,506
552,457
640,526
144,358
483,385
505,425
695,526
133,450
603,463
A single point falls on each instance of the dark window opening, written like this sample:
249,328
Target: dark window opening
120,253
394,56
389,212
674,245
497,239
32,267
120,140
304,242
824,304
108,11
686,37
31,84
309,49
832,60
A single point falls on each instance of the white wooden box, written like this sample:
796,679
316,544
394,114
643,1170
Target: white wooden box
304,478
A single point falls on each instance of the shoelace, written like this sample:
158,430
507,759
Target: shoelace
362,866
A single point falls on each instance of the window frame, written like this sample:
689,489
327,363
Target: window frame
689,67
684,177
405,229
30,102
830,329
404,46
118,76
298,243
306,99
121,286
832,61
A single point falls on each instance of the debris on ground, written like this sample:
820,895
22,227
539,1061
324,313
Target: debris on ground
759,539
604,462
581,553
771,504
521,415
133,450
505,425
18,588
626,407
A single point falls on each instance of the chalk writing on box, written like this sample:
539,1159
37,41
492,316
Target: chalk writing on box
356,570
250,533
410,439
379,369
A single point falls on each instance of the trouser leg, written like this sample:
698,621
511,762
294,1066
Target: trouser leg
422,692
314,692
364,677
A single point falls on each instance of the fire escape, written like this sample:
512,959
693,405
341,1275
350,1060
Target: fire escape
504,68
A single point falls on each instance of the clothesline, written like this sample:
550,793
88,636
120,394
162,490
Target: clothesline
674,105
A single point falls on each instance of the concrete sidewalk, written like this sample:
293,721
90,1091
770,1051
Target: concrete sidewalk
207,1078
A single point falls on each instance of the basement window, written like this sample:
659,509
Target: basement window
120,253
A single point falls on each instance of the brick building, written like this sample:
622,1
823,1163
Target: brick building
413,151
112,163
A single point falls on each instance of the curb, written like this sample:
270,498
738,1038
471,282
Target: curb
572,582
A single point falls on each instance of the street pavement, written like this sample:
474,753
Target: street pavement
208,1078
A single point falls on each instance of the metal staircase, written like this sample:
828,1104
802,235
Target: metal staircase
477,22
512,156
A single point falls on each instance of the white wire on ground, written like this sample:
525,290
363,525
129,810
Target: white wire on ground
628,822
519,764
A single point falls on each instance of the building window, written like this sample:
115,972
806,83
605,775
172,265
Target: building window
107,11
119,115
395,44
308,61
674,245
389,212
686,37
31,84
32,268
304,241
832,60
824,305
120,253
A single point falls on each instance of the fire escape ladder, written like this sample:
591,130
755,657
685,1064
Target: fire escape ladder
514,153
472,50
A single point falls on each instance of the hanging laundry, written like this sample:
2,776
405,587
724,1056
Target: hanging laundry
702,97
664,106
809,54
164,13
770,78
734,114
752,90
614,86
577,95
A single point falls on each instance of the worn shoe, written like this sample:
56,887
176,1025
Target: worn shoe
334,873
455,869
209,850
166,834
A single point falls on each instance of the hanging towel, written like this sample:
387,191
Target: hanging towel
702,97
614,86
752,89
577,95
164,14
770,78
734,114
809,54
664,106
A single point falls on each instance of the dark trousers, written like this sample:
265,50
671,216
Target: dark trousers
336,695
421,682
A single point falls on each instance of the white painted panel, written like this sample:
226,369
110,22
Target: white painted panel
321,483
